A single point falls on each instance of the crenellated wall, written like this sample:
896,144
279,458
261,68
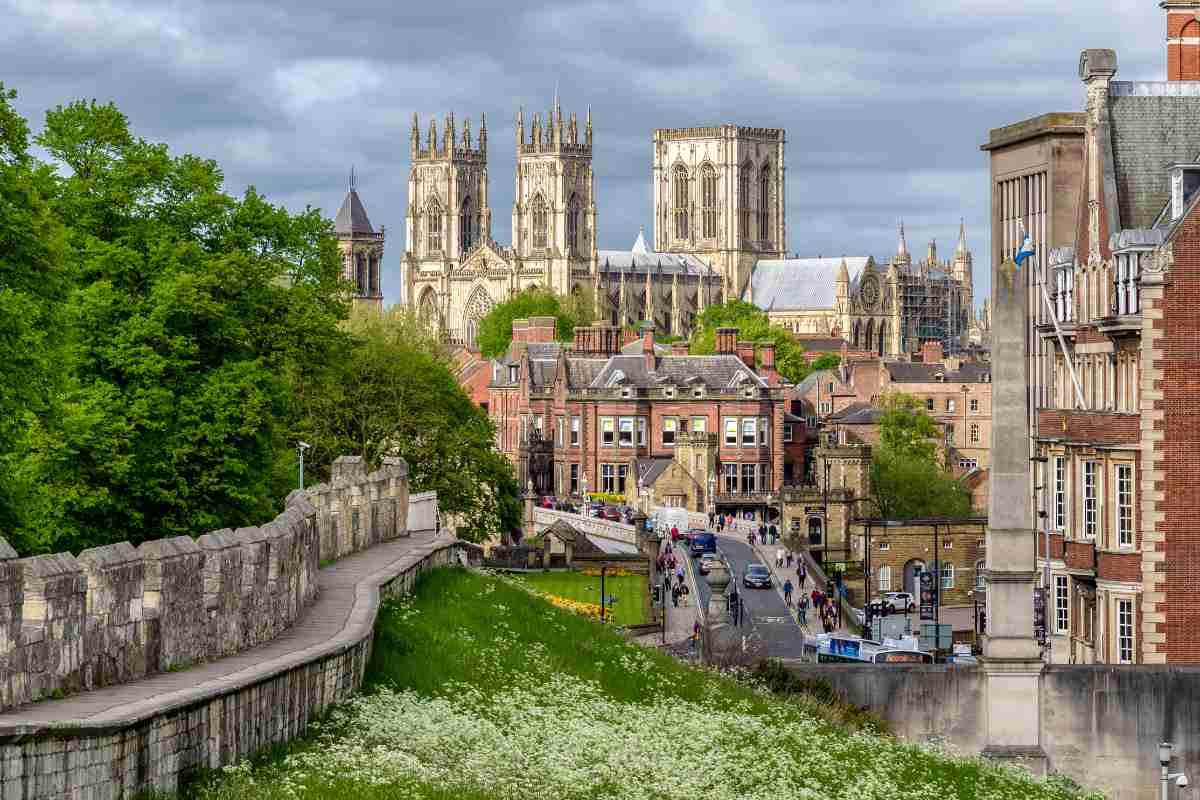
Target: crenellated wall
117,613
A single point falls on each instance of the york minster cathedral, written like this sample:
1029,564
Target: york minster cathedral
719,232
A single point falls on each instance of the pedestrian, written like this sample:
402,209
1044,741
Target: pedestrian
679,573
684,591
762,533
774,534
695,637
803,606
779,557
675,596
789,559
787,593
674,533
720,524
710,519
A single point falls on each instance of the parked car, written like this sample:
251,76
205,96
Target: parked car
701,542
611,514
545,502
901,600
757,576
706,562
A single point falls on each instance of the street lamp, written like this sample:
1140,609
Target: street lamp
302,446
1164,762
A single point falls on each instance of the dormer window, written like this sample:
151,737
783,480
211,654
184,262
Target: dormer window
940,378
626,392
698,392
748,392
1185,180
669,392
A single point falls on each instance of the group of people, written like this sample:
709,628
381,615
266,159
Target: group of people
826,607
670,567
767,534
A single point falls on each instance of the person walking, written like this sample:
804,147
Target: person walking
720,524
779,558
679,573
695,637
787,592
788,557
675,596
774,534
803,607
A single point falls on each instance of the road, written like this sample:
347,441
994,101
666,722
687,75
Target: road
765,608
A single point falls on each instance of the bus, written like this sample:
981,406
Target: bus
852,650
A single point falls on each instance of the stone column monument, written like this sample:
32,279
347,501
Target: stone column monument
1012,659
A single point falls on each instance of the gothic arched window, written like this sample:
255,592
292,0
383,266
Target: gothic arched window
539,223
360,273
466,226
708,201
744,200
433,226
573,212
764,204
680,195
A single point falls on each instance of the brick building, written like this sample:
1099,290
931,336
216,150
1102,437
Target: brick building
1115,401
601,417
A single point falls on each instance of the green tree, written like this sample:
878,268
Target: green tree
392,393
907,478
33,285
495,330
192,321
753,326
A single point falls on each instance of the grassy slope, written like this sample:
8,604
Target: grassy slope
630,591
474,665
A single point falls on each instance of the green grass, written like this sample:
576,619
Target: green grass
477,690
631,592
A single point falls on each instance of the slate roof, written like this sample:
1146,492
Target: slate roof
352,218
859,414
916,372
783,284
821,344
650,469
717,372
1151,124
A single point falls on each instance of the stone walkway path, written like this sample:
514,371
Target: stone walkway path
325,618
681,619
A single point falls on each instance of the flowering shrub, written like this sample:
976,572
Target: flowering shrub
586,609
611,573
481,691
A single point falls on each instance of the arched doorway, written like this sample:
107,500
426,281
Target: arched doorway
912,572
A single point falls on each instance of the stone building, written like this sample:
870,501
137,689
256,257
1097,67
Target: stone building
887,310
361,249
817,513
598,417
895,552
1123,283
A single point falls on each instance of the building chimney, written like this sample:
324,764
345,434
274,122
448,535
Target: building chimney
679,348
767,351
541,329
648,347
726,341
1183,39
745,351
520,331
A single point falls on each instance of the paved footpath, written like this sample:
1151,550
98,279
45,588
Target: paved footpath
324,619
679,619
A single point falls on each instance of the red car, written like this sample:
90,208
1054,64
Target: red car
611,514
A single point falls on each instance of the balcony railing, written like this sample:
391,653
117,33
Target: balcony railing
746,498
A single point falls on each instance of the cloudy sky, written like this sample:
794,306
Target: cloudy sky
885,104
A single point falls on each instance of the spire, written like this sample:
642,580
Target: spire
931,257
843,272
962,238
589,127
352,217
574,129
639,244
520,127
433,136
352,180
902,247
449,132
466,140
415,136
483,133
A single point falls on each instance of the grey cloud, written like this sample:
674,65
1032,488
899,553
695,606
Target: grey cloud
885,104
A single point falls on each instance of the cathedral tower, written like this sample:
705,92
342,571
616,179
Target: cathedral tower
962,268
554,210
448,212
719,195
361,249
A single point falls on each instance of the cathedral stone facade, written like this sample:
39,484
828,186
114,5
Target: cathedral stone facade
889,310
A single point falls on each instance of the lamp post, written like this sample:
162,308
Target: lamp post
1164,763
302,446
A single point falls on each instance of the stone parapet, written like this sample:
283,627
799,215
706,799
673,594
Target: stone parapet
117,613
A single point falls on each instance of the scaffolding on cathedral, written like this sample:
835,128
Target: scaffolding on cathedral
932,304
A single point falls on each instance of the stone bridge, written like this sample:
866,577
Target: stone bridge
126,668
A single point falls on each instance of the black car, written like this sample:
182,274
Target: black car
757,576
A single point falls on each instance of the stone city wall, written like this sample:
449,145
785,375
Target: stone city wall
1100,725
71,623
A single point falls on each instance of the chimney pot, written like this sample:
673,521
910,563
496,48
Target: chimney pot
726,341
745,351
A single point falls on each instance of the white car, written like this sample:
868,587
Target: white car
901,600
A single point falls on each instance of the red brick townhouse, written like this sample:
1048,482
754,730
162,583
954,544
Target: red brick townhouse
1122,275
598,417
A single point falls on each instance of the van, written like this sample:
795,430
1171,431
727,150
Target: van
703,543
672,518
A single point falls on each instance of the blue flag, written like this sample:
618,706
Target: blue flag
1025,250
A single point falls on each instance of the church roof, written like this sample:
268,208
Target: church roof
352,218
639,260
784,284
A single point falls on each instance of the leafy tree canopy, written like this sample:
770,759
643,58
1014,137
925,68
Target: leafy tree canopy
753,326
495,330
907,478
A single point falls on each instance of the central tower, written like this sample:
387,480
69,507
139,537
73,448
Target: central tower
719,195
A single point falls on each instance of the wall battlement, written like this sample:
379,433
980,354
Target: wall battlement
113,614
